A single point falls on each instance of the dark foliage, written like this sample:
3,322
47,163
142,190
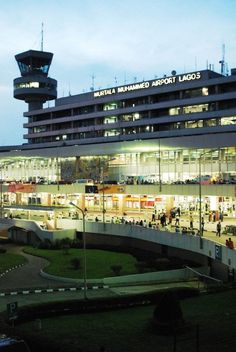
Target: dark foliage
76,263
116,269
168,315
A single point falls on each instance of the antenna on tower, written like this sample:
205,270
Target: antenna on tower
92,86
222,61
125,78
195,62
42,37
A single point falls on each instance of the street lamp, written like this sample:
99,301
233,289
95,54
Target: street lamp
103,196
200,195
84,248
1,201
159,166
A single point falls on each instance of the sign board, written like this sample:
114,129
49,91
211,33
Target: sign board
12,310
149,84
111,189
21,188
218,252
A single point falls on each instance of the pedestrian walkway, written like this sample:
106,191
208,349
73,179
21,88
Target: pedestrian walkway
210,229
51,290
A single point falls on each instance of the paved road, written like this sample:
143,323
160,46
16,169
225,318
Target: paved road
26,276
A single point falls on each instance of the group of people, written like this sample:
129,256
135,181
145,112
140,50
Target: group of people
229,243
161,220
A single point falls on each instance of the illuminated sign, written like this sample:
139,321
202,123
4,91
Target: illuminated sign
111,189
149,84
21,188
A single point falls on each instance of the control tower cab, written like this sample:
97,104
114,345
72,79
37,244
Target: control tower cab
34,86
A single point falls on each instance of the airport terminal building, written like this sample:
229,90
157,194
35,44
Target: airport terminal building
140,148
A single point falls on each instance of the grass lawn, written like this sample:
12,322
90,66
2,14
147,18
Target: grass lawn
129,329
98,262
9,260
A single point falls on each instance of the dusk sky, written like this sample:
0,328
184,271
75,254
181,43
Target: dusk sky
116,41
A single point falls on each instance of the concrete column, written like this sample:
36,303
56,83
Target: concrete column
81,201
18,198
121,203
49,201
169,204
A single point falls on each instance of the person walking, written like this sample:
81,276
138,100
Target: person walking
191,222
170,219
218,229
177,220
202,225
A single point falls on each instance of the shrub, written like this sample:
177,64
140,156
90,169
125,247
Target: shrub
167,315
76,243
46,244
141,267
2,250
76,263
116,269
65,249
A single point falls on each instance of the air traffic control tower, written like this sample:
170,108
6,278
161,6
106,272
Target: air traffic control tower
34,86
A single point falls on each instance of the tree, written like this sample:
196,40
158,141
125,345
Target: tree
168,315
76,263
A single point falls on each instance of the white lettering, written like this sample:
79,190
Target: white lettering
165,80
159,82
104,92
190,77
131,87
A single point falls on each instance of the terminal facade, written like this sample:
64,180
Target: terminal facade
140,148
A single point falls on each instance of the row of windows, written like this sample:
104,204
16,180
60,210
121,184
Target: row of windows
152,99
124,118
138,129
34,85
26,68
178,110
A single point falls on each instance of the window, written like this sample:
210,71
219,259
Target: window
230,120
175,111
195,108
109,133
110,119
110,106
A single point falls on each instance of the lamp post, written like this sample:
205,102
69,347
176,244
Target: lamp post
1,202
84,248
200,195
103,196
159,166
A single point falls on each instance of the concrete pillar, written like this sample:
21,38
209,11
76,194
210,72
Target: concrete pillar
18,198
49,200
81,202
169,204
121,203
55,219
